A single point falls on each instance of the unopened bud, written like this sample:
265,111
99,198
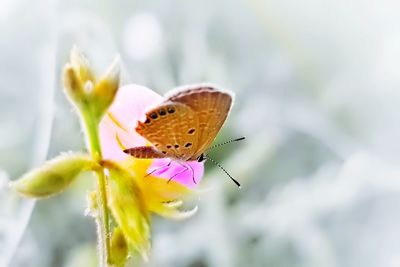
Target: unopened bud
73,86
86,92
107,87
81,64
54,176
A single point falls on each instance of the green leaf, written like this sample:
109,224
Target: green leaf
54,176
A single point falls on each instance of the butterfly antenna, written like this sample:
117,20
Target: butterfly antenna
227,142
222,168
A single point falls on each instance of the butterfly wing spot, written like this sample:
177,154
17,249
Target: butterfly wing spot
170,129
153,115
191,131
188,145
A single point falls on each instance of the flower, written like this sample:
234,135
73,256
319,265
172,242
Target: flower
130,188
117,130
134,188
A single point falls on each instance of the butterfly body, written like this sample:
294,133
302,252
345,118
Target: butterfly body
185,124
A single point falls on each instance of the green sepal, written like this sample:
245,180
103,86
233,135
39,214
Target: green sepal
119,248
128,208
54,176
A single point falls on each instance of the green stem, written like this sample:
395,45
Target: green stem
90,124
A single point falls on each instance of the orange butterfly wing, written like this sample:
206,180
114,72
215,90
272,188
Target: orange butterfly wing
211,108
169,127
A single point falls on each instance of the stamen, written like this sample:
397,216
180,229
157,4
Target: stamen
119,142
116,122
176,174
157,169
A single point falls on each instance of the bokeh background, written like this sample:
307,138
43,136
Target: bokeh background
317,88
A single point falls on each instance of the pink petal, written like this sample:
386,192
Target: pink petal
128,107
186,176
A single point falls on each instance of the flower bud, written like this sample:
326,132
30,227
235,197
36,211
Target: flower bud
119,248
106,88
81,65
92,97
73,87
76,77
54,176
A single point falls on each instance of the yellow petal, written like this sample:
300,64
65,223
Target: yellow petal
173,213
162,197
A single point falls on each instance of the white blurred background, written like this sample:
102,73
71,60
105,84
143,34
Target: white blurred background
317,88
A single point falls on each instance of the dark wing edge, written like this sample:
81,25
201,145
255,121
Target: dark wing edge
144,152
177,92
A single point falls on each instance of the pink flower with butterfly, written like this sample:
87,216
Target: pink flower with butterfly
173,131
154,148
117,133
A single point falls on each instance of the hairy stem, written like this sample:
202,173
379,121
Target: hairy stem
90,124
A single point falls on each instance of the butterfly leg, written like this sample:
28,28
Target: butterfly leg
159,168
191,168
184,170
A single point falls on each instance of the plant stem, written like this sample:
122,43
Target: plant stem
90,124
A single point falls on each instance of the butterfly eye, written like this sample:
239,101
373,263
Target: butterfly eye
201,158
162,112
171,110
153,115
191,131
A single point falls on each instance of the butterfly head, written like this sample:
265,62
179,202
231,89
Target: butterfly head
201,158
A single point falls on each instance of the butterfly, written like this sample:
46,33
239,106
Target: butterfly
184,125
